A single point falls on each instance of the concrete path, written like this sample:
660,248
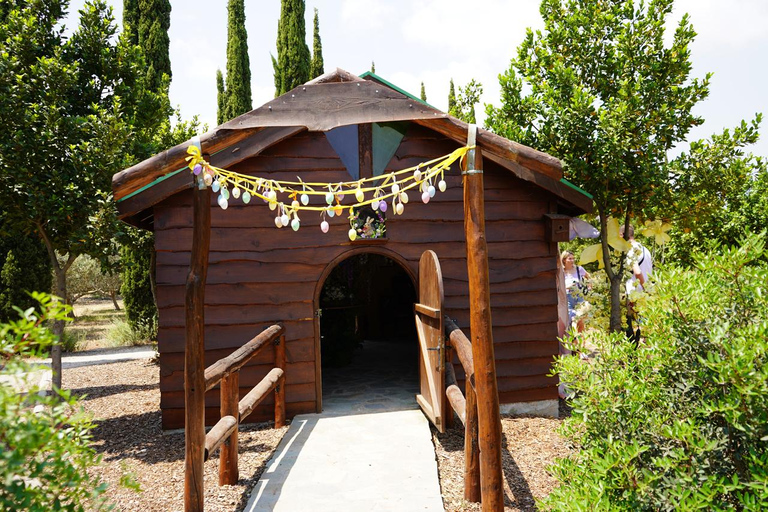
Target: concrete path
370,449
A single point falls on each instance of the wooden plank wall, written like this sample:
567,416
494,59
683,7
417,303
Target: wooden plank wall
259,275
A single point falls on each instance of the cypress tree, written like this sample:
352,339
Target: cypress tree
452,100
154,22
373,67
221,98
316,68
131,20
423,93
293,60
238,90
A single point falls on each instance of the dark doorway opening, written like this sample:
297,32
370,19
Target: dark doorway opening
368,346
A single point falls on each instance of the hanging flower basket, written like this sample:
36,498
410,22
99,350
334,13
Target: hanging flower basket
367,223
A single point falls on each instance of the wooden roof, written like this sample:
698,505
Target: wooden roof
337,98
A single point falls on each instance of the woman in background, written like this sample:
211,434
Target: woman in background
575,285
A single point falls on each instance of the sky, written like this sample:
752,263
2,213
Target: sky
432,41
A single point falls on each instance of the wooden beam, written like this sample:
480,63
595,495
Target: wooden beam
471,449
365,145
426,310
489,420
455,396
463,348
194,377
280,389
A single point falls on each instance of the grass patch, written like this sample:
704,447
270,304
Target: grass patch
121,334
72,340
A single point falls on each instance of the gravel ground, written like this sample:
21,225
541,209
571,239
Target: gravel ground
124,399
530,446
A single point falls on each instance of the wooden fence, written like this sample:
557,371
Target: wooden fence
233,409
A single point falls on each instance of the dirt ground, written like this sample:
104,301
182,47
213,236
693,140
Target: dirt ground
94,316
124,399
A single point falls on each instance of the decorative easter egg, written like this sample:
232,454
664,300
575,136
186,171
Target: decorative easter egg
417,175
404,197
340,197
272,205
294,204
359,195
215,186
304,199
246,197
278,222
207,179
331,212
431,191
395,188
383,206
338,209
441,185
295,224
225,193
285,219
352,234
329,197
375,205
425,197
198,169
223,202
399,208
271,196
324,226
236,193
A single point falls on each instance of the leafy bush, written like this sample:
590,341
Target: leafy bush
86,276
24,267
122,334
139,302
71,341
44,440
681,422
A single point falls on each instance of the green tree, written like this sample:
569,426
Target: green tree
680,421
69,110
137,288
131,20
423,94
316,68
469,96
238,89
452,100
373,67
292,65
608,98
46,461
719,192
221,98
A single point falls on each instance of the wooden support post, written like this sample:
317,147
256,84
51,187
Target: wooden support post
471,448
280,389
449,418
489,420
194,358
230,406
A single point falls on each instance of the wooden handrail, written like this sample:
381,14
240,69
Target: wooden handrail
454,394
463,348
218,434
260,391
238,358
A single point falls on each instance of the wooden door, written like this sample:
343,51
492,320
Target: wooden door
429,326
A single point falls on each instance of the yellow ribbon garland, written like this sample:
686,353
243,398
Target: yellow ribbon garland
268,189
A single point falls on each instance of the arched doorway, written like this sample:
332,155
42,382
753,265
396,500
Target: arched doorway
367,336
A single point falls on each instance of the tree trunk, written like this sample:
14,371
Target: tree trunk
58,328
613,278
113,296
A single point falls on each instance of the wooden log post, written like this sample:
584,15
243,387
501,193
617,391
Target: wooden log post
471,448
230,400
280,389
489,420
194,357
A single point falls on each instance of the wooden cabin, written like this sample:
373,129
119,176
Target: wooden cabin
341,127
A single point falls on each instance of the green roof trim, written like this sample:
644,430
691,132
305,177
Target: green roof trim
150,185
574,187
393,86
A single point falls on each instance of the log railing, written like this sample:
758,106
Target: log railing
466,408
234,409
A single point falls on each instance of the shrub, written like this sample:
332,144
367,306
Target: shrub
681,422
72,341
122,334
45,455
136,256
24,267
